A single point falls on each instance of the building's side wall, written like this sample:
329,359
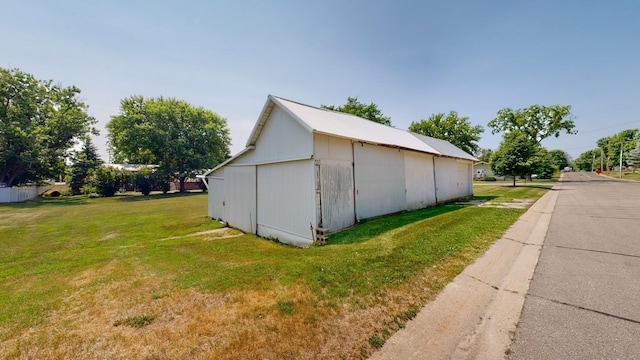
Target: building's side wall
332,148
419,176
453,178
240,197
281,139
286,202
379,179
446,170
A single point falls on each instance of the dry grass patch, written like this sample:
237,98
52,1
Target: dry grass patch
63,288
278,323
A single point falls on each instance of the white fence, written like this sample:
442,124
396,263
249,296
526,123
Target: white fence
22,193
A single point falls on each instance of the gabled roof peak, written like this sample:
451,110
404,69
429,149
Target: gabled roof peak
339,124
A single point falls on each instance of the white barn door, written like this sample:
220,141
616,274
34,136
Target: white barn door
216,198
240,199
421,191
465,187
334,185
380,180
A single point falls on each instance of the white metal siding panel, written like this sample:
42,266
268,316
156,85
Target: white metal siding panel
446,171
240,199
282,138
215,195
380,181
333,148
421,192
335,187
286,202
465,178
216,198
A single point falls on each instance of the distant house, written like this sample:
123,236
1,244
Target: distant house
306,169
482,169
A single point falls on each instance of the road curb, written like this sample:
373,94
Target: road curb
475,316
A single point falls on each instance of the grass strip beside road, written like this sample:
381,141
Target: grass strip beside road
72,267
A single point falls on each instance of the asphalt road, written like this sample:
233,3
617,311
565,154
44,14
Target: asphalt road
584,299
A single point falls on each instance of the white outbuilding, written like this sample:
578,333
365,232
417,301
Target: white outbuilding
306,169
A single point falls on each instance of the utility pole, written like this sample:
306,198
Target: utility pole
621,145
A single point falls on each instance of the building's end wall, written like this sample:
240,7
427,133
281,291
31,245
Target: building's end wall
281,139
286,202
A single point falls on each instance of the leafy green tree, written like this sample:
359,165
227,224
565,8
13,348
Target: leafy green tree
537,122
559,158
588,160
39,122
634,154
108,180
612,145
354,107
83,161
544,166
452,128
518,155
145,179
484,155
178,137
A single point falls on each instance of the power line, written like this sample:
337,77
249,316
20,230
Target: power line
606,128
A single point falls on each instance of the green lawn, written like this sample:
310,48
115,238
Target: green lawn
627,175
49,244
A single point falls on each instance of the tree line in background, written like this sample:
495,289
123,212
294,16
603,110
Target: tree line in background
45,133
41,123
613,151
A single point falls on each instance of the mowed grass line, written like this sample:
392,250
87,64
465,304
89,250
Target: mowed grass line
376,274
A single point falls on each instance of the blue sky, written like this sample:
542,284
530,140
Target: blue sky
411,58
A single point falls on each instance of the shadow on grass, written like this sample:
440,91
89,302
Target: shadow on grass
83,199
370,228
484,198
131,197
546,187
50,201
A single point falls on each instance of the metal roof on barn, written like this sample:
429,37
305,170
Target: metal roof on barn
349,126
334,123
445,148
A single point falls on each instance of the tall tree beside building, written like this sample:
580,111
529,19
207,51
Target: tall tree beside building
452,128
518,155
355,107
39,122
484,155
83,162
178,137
536,122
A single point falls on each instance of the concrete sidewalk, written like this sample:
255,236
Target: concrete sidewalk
475,316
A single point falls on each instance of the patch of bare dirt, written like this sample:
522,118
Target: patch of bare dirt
513,204
222,233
